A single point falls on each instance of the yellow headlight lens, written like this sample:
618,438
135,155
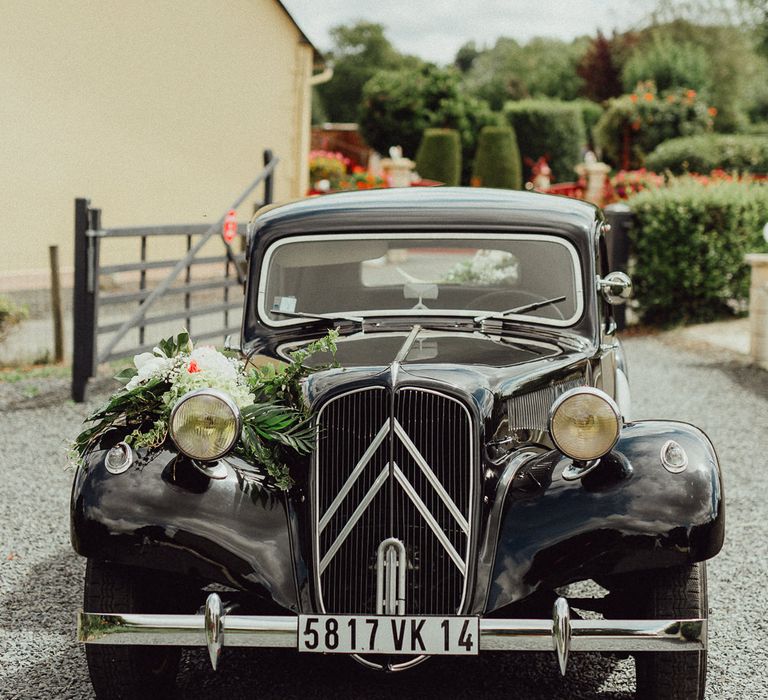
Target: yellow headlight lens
205,424
584,423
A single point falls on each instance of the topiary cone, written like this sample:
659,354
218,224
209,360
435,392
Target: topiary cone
497,161
439,156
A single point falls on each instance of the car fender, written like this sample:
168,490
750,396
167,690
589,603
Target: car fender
162,513
629,513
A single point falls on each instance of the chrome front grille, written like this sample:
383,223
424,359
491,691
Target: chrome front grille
402,468
531,410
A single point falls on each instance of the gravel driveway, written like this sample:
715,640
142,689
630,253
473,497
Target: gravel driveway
40,577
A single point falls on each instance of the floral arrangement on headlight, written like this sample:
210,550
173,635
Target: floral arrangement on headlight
210,404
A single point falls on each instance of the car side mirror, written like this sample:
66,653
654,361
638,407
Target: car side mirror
616,287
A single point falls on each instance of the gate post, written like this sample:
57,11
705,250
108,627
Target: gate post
83,306
268,181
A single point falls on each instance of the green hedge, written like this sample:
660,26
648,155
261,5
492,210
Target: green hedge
703,154
689,242
439,156
591,113
548,128
497,161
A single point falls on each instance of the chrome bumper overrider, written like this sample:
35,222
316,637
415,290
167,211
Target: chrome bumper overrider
216,629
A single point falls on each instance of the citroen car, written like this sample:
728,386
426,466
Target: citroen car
477,481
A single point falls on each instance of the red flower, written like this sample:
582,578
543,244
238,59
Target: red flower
633,97
712,111
192,367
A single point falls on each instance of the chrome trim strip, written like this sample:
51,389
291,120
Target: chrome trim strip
407,345
429,518
431,477
676,635
390,591
375,487
263,315
354,476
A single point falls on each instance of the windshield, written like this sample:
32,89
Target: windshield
530,276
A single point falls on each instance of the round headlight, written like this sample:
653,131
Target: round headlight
205,424
584,423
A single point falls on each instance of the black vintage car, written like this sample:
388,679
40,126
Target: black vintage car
475,456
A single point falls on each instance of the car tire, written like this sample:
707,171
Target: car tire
674,593
128,672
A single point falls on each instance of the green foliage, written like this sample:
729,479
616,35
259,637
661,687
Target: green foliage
497,161
466,56
669,64
633,125
10,315
590,113
689,242
276,423
549,128
359,51
540,68
600,68
398,106
439,156
732,71
702,154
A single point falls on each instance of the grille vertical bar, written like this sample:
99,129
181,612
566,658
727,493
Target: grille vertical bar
427,504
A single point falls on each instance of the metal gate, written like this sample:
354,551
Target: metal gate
91,302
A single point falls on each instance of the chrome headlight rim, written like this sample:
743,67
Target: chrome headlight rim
591,391
230,404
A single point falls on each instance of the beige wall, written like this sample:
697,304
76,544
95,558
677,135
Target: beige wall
157,110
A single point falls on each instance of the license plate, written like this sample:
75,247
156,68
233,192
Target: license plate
376,634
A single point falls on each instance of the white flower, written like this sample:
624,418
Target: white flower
148,366
203,368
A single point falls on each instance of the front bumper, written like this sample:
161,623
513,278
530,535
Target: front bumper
216,629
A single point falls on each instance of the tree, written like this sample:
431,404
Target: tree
466,56
359,51
399,105
600,70
540,68
669,64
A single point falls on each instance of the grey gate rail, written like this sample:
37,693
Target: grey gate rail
89,299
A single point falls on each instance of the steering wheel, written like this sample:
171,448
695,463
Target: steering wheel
511,298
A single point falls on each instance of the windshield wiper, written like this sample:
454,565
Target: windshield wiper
320,317
521,309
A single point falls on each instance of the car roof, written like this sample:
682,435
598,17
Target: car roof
420,207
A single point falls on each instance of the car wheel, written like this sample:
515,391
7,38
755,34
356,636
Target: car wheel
674,593
128,672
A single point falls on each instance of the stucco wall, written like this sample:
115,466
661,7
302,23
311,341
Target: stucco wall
157,111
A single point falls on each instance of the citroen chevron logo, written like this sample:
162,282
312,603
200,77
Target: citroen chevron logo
393,470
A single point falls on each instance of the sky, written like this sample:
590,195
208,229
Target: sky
435,29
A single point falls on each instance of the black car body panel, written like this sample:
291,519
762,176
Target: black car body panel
531,529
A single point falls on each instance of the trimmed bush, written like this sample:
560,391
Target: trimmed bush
497,161
398,106
439,156
591,113
689,242
548,128
702,154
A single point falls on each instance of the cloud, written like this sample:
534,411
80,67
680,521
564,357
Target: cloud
437,28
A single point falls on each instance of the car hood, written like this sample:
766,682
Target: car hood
479,367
